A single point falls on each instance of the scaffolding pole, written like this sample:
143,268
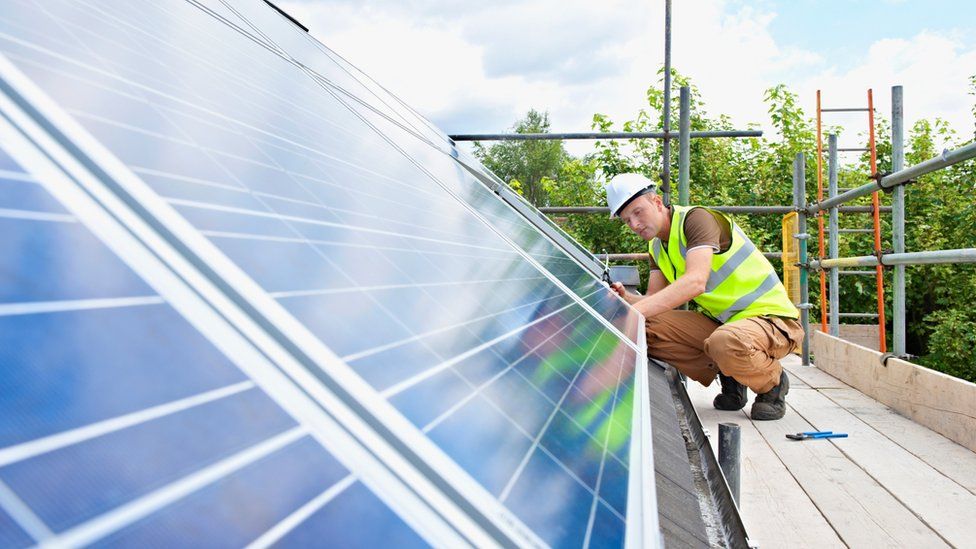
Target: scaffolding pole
876,204
898,219
757,210
645,255
832,240
961,255
684,147
820,220
666,145
901,177
800,201
571,136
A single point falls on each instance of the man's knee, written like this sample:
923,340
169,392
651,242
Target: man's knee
725,342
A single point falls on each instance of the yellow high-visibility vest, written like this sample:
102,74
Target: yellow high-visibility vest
742,284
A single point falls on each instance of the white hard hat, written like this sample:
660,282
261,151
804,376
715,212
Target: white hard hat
625,187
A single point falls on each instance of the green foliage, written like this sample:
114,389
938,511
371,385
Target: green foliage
577,185
526,164
972,91
952,341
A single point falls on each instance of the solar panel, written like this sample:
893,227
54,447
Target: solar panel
115,407
331,232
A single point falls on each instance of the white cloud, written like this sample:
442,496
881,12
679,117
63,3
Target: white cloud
933,69
474,67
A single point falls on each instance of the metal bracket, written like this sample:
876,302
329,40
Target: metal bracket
879,255
801,236
877,177
606,267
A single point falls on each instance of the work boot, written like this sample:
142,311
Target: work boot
772,403
733,395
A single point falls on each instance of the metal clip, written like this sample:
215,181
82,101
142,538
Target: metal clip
877,177
879,255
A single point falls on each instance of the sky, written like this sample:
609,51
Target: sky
476,67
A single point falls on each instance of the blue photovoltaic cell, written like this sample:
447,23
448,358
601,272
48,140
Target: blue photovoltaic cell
11,534
68,364
43,273
19,192
349,522
114,469
106,362
277,485
365,233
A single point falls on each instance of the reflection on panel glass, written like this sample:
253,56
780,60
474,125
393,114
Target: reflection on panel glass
277,31
399,124
383,246
122,424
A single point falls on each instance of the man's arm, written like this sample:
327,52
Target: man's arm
687,287
655,283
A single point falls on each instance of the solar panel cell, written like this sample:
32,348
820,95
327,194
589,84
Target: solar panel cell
20,195
550,502
11,534
39,252
278,484
84,366
354,519
68,486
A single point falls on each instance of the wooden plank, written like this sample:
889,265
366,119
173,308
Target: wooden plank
942,403
774,508
861,511
865,335
947,457
811,376
943,504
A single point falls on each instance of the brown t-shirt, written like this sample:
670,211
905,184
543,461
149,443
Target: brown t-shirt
704,228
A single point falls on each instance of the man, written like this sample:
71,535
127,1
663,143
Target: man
747,321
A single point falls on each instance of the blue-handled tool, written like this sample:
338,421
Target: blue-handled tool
815,434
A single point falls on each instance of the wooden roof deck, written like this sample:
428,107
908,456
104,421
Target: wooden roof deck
891,483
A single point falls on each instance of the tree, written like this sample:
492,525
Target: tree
525,164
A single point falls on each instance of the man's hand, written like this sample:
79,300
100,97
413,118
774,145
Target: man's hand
619,289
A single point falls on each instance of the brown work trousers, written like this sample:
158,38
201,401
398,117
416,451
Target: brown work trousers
747,350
